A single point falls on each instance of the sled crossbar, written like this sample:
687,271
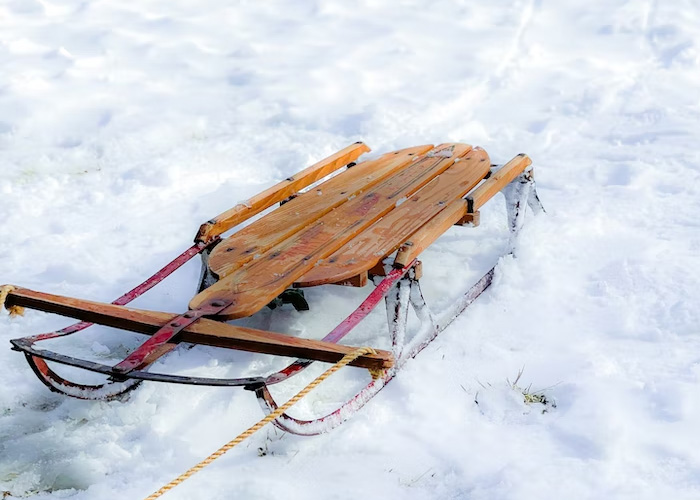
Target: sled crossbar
204,331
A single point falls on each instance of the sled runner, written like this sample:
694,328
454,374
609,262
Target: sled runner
369,222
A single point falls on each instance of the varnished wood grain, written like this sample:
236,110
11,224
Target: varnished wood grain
382,238
242,247
279,192
497,181
254,285
429,232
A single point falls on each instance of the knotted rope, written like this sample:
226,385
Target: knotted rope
13,310
348,358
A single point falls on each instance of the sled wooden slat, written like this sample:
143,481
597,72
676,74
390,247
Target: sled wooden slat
203,331
497,181
386,235
430,232
256,284
279,192
281,223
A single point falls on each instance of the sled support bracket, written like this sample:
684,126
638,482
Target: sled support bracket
158,345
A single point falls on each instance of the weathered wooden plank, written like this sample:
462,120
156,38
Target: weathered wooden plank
255,239
263,279
431,231
204,331
279,192
497,181
386,235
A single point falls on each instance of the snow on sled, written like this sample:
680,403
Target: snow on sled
368,223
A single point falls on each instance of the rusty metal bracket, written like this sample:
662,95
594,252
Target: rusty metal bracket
158,345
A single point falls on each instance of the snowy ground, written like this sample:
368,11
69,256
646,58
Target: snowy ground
124,125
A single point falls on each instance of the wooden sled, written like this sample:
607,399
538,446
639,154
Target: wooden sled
369,222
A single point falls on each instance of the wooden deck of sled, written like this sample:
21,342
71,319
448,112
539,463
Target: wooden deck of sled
342,228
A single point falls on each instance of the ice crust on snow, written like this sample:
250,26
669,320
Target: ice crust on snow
124,127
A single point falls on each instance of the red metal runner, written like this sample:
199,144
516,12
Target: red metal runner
135,292
348,323
155,346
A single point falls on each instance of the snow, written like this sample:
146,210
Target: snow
442,153
125,125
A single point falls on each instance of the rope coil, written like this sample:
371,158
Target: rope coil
348,358
13,310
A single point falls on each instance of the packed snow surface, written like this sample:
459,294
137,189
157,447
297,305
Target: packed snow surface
125,125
